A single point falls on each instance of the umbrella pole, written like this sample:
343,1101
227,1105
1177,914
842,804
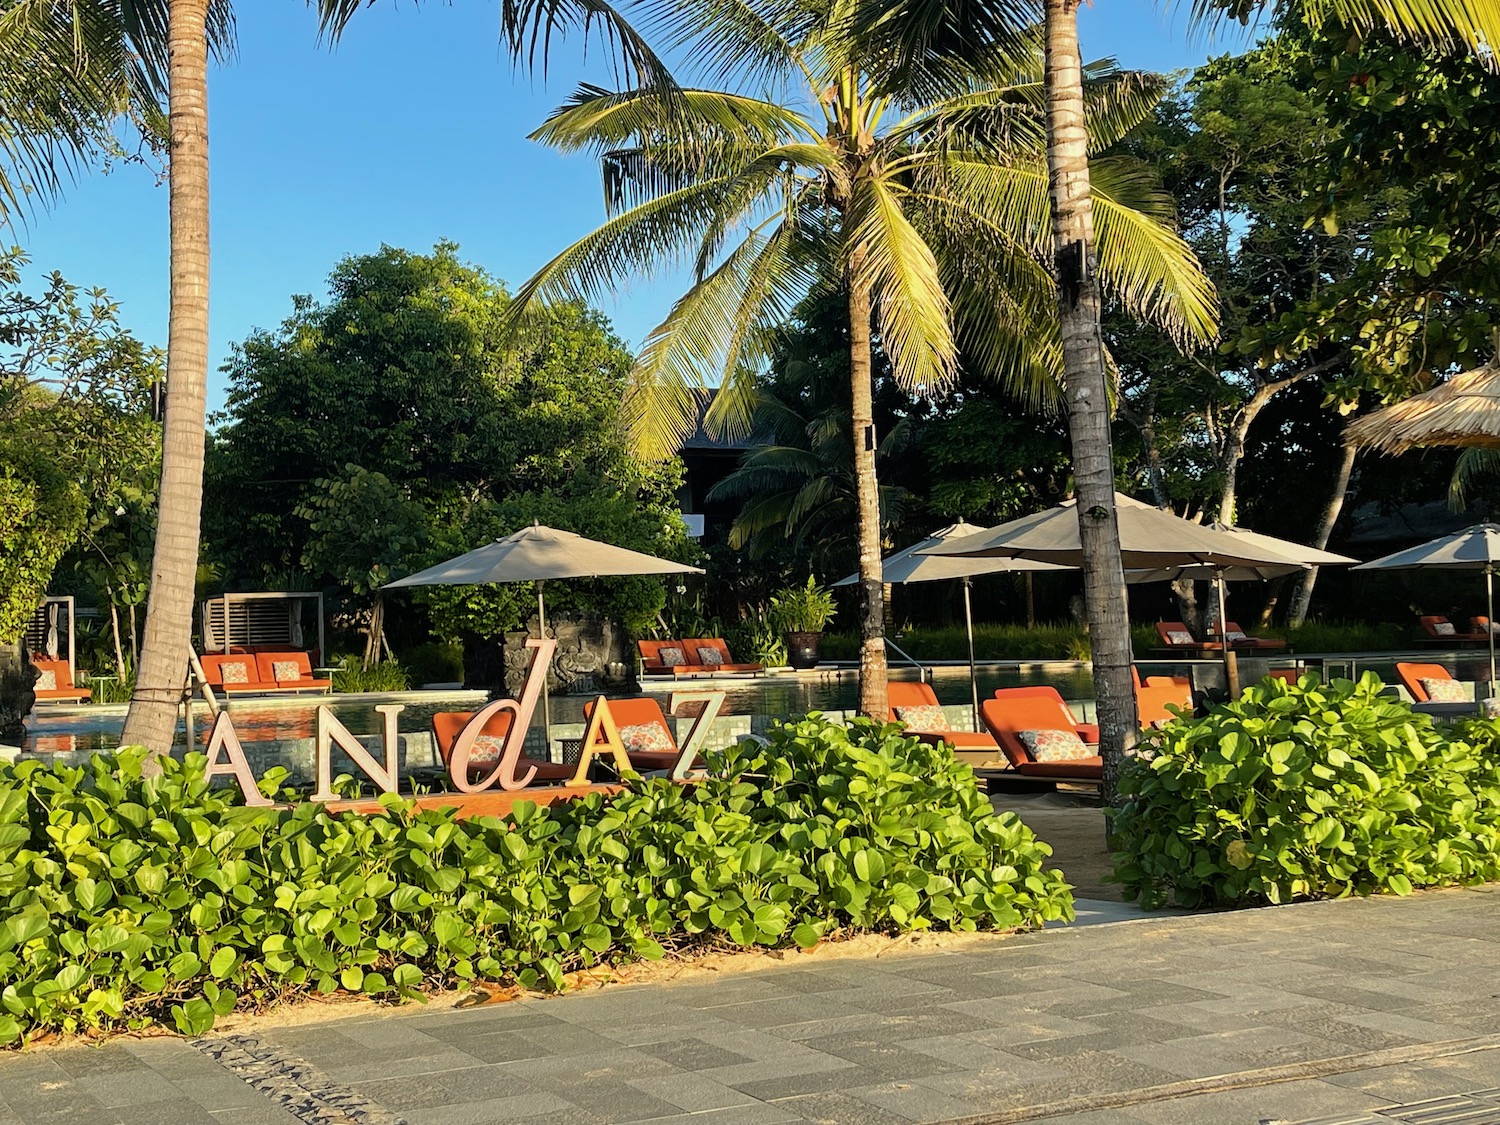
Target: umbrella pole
1489,609
973,671
541,632
1231,665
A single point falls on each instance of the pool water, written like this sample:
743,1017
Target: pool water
280,719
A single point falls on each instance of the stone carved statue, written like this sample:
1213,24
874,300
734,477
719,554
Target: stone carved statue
590,658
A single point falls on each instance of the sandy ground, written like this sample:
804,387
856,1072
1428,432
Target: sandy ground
1074,826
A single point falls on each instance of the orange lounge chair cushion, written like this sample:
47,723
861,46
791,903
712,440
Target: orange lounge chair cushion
58,682
719,649
446,726
1152,700
235,672
1079,769
1412,675
287,670
640,713
1013,710
651,657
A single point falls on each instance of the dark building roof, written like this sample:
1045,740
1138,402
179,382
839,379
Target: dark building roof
702,441
1409,523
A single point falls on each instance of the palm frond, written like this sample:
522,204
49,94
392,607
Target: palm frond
1471,468
713,330
889,255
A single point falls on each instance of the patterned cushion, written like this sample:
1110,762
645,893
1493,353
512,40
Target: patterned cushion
1444,628
1491,707
285,670
1236,635
710,657
238,673
46,681
1444,691
1054,745
928,716
1179,637
647,736
486,750
671,657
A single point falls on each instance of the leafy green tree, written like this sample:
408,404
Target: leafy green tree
395,425
76,429
84,62
922,194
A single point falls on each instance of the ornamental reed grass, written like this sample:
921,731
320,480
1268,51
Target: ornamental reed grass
131,900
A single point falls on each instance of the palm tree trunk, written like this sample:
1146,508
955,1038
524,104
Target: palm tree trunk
1087,391
872,669
152,720
1302,599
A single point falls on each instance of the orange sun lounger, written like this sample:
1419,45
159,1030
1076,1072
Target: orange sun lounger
1013,710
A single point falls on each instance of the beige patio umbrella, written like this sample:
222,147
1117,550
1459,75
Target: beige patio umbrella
1150,540
912,564
1464,411
540,554
1473,548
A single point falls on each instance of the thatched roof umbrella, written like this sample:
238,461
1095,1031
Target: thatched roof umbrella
1464,411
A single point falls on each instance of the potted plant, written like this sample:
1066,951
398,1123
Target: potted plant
801,612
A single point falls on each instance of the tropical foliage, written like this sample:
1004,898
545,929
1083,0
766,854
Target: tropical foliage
923,195
78,456
130,901
392,426
1307,791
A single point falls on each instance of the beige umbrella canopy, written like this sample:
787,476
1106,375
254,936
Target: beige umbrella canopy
1464,411
540,554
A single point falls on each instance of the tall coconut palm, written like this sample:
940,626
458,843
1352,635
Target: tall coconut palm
923,34
919,189
112,55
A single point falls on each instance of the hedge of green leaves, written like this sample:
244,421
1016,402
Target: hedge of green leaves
1308,791
130,900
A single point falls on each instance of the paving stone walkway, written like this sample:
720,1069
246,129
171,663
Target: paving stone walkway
1345,1012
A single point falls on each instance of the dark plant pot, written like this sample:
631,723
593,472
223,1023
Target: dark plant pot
802,649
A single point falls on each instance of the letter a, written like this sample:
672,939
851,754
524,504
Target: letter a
601,736
225,738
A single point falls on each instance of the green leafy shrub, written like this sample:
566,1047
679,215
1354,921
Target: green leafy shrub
438,662
802,609
991,642
352,675
1308,791
129,900
757,639
110,688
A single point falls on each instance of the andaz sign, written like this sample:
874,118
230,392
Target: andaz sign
226,754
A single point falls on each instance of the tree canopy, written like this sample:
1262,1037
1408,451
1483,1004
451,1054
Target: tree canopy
393,424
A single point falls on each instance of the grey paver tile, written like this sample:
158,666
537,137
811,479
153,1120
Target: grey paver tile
838,1108
693,1054
173,1111
757,1113
694,1093
81,1062
781,1087
131,1087
491,1111
1290,1101
916,1102
430,1091
883,1056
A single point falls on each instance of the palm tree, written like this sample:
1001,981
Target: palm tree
109,56
1442,22
920,191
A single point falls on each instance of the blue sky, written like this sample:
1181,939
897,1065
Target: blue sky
412,131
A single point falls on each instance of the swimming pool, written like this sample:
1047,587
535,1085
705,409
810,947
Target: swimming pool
53,729
59,729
